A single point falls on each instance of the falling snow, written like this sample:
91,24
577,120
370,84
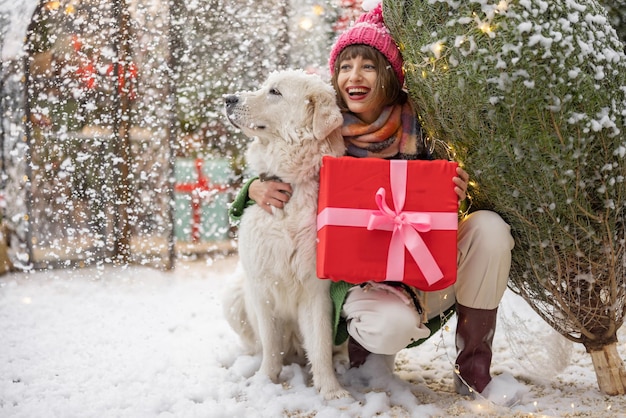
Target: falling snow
137,341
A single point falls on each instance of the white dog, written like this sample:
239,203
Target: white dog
278,305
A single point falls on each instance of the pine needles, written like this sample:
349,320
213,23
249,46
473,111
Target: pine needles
531,97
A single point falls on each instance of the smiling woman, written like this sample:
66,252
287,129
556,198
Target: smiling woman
368,87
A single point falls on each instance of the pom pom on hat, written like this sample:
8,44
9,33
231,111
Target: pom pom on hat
370,30
368,5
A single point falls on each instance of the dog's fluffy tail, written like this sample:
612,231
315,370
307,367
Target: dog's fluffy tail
234,307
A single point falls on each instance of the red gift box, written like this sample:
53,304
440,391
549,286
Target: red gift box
381,220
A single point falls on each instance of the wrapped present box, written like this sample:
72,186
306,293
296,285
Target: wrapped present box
200,200
381,220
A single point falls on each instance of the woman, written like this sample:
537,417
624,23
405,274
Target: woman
379,121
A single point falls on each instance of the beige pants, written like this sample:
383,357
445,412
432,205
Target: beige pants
381,323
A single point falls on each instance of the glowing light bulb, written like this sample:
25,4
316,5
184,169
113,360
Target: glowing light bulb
53,5
485,27
437,48
305,23
318,10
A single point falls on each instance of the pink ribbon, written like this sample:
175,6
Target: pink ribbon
406,226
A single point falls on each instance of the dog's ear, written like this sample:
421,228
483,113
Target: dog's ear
326,115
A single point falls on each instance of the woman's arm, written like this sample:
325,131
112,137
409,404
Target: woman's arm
264,193
242,201
270,193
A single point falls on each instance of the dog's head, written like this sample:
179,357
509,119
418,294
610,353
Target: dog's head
291,105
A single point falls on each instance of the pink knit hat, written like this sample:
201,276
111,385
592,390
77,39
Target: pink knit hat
370,30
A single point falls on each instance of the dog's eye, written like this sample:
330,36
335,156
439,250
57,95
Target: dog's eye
275,92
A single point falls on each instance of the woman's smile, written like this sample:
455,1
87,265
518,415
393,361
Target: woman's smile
357,92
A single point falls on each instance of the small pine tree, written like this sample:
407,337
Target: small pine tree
531,98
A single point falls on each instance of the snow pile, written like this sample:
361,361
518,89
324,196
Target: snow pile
137,342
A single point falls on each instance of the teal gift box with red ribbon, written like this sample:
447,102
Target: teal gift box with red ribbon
387,220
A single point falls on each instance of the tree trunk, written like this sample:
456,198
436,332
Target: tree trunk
176,46
609,369
121,132
5,262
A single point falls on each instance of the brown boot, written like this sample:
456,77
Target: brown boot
356,353
474,336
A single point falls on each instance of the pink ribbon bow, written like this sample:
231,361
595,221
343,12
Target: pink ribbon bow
406,227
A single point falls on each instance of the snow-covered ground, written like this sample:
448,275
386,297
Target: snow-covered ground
137,342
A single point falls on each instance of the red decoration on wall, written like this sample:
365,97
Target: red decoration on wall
126,75
86,70
87,73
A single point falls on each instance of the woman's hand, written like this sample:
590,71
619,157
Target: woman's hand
270,193
461,182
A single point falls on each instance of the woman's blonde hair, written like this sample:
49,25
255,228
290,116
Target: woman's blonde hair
387,88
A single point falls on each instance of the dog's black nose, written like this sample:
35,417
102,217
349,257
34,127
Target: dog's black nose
230,100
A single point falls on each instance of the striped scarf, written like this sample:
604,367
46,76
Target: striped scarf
395,134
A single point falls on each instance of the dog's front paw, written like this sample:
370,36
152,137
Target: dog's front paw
335,393
330,388
270,370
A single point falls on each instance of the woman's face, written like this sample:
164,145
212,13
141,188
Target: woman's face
356,81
